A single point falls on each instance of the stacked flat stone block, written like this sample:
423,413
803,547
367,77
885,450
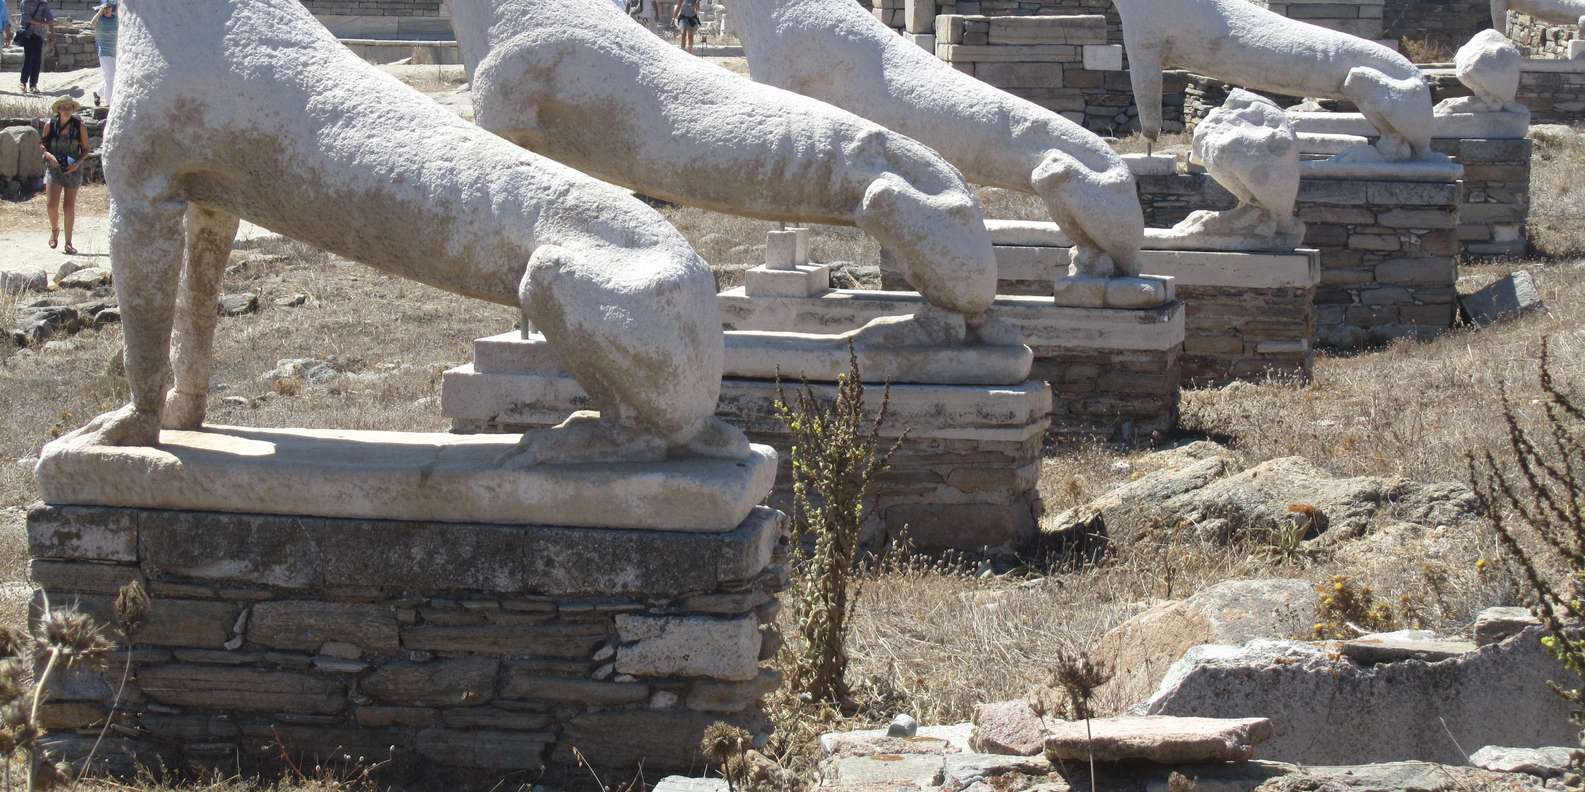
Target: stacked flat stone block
1362,18
1001,8
21,162
1062,63
1540,39
963,476
1247,316
462,653
1388,249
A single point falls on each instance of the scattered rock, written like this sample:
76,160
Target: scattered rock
1233,612
903,726
238,304
1496,624
1403,645
294,301
1543,762
1219,503
310,370
85,278
1164,740
20,281
1330,710
1010,728
1505,299
68,267
47,323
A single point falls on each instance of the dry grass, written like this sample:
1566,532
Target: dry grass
1557,191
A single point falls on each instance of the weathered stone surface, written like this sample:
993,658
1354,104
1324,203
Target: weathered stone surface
245,689
685,784
376,717
1404,645
307,624
1009,727
1233,612
1157,739
302,552
67,576
1507,298
83,533
493,750
577,691
454,478
19,281
662,741
709,696
688,646
459,682
1417,776
571,641
1495,624
496,718
1326,709
953,738
1543,762
1204,495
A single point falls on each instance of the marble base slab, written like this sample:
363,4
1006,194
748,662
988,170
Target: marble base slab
400,476
1483,126
1046,234
795,356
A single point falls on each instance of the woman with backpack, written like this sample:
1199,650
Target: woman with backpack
65,142
33,29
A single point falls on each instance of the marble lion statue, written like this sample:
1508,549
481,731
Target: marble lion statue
250,109
1557,12
1249,46
838,52
1248,147
597,91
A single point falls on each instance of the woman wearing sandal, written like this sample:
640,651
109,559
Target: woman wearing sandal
65,143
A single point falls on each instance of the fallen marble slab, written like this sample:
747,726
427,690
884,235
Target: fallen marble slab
410,476
1164,740
1404,645
1541,762
952,738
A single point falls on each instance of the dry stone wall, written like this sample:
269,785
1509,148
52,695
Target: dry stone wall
462,653
71,47
1388,250
1540,39
1062,63
1361,18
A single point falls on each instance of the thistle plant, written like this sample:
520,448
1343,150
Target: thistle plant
836,455
1079,676
61,639
1535,501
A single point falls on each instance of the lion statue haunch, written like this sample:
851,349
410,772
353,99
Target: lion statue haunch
1556,12
251,109
1248,147
836,51
1251,47
599,92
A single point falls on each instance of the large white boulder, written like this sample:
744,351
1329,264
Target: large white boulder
1327,709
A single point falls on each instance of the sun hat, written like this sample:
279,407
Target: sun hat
55,107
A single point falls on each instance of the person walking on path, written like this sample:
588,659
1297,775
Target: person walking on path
104,27
33,29
687,16
65,143
5,24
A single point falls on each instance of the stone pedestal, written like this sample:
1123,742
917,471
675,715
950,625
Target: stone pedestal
964,477
463,650
1493,150
1388,249
1247,316
1114,373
